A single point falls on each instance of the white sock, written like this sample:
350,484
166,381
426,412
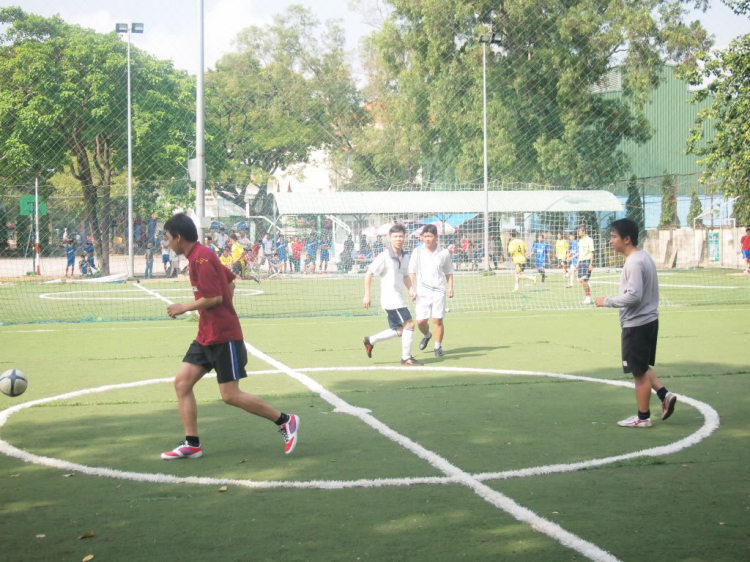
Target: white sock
384,335
438,344
407,336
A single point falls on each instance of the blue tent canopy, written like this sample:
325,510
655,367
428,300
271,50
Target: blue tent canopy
455,219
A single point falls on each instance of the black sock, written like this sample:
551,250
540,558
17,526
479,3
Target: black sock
661,393
193,440
283,418
644,415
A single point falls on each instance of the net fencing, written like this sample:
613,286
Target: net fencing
581,100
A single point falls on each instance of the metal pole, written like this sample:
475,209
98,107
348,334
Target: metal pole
37,259
200,156
131,256
486,188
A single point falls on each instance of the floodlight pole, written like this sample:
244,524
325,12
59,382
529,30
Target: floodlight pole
486,186
200,155
135,28
131,255
37,256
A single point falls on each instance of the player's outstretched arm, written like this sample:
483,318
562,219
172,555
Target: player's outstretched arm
200,304
366,300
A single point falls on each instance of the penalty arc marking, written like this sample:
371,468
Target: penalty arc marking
453,475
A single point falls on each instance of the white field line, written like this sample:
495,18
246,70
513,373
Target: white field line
711,421
501,501
538,523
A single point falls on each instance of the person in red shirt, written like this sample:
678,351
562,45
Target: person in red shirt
745,242
219,344
296,253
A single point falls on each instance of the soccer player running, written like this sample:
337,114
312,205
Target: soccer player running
392,267
745,251
585,261
638,301
219,344
431,273
541,251
517,251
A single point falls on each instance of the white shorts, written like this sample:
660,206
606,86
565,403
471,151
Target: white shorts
431,305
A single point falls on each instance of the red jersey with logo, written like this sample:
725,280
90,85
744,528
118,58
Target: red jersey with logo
745,240
218,324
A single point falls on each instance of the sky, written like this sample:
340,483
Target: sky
170,25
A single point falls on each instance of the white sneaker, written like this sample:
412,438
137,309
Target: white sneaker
667,407
634,421
587,300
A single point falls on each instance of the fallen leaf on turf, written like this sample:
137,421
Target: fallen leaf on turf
556,513
88,558
41,536
721,522
87,535
67,475
243,460
223,489
15,475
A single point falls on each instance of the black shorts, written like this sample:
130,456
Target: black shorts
639,347
229,359
398,316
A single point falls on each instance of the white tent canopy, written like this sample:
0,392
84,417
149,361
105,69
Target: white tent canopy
433,202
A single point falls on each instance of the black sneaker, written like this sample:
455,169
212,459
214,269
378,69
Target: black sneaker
368,347
411,362
438,352
425,340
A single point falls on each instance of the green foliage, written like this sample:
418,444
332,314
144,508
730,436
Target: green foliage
636,209
727,156
63,107
286,92
5,218
545,122
695,210
669,218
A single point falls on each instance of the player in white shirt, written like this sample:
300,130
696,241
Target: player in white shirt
392,267
585,262
431,272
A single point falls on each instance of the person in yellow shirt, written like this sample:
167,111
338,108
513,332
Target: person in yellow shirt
238,251
585,262
561,250
226,258
517,252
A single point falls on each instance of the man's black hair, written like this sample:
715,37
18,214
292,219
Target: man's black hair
182,225
397,228
625,228
430,229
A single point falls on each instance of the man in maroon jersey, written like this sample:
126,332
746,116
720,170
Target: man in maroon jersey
219,344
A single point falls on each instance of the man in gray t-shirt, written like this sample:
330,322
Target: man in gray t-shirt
638,301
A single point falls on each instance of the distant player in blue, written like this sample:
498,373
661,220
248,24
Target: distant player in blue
541,251
88,247
70,254
572,258
311,250
325,246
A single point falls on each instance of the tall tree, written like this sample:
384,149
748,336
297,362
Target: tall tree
635,204
669,218
63,106
727,155
287,91
547,123
694,213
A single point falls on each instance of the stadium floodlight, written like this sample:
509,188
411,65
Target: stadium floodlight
130,28
485,39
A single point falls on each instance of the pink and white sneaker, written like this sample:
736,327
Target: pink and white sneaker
183,451
634,421
289,433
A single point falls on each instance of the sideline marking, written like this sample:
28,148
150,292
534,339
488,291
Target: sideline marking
453,474
85,295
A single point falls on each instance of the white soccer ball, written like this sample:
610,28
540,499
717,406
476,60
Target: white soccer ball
13,383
